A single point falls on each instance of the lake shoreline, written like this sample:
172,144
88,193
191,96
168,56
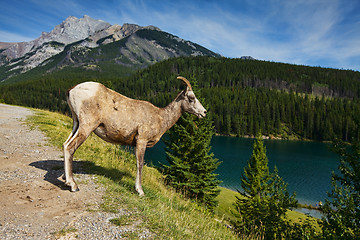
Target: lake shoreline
305,166
272,137
308,209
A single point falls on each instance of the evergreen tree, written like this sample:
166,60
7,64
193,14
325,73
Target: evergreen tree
342,213
272,97
191,165
264,200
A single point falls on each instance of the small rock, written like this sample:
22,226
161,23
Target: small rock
29,199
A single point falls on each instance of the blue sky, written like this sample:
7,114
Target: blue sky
308,32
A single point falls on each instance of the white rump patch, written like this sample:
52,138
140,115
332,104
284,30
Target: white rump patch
81,93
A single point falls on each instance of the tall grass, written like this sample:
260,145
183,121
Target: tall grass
162,211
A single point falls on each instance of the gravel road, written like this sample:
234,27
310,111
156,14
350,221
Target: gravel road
34,204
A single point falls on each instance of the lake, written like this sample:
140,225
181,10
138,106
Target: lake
305,166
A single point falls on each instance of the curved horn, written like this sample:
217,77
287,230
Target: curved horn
186,82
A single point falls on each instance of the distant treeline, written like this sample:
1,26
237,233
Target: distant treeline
246,111
243,96
225,72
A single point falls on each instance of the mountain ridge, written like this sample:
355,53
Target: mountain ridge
86,37
72,29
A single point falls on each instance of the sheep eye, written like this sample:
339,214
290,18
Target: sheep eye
191,98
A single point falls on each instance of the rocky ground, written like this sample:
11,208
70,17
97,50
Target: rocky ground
34,204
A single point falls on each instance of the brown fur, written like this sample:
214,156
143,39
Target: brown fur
121,120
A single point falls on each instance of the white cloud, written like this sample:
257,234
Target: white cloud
310,32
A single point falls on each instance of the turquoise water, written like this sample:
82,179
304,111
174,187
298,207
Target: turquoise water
305,166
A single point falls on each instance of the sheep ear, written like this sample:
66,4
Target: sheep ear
189,88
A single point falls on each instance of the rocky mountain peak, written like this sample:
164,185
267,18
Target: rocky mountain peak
247,58
114,33
85,34
72,29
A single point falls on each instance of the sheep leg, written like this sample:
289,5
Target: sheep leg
75,128
70,147
140,153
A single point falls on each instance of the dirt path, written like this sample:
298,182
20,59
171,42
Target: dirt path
33,201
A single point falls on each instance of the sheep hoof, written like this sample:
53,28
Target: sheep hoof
140,191
73,186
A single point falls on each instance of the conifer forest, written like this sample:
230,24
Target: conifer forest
244,96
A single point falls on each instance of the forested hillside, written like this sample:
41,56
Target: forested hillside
244,96
225,72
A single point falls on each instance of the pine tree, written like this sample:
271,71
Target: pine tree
342,213
191,165
264,200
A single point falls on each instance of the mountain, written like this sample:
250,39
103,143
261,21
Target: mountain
247,58
90,43
69,31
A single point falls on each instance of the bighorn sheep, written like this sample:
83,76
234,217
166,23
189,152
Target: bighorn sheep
121,120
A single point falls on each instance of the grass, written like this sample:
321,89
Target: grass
64,232
123,220
163,211
227,197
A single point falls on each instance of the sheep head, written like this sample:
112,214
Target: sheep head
190,103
